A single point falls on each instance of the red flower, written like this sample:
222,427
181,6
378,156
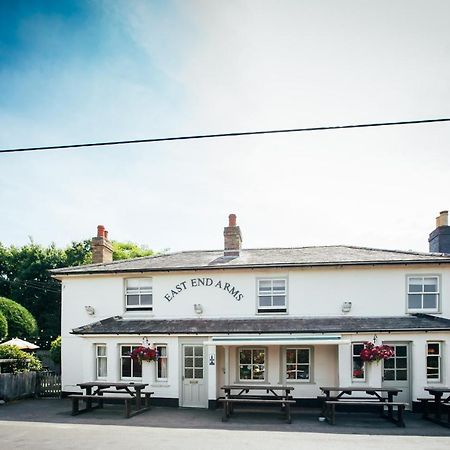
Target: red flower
372,352
142,353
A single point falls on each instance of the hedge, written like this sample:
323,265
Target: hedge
3,327
21,322
23,361
55,350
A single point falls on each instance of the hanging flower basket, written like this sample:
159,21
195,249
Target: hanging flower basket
142,353
372,352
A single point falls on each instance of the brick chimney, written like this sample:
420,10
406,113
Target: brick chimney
101,247
232,237
439,239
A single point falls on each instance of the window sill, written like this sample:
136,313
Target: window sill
299,383
272,312
423,311
162,384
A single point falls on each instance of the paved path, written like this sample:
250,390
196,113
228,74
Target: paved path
52,436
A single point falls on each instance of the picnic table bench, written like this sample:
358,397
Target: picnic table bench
276,395
377,399
433,407
124,392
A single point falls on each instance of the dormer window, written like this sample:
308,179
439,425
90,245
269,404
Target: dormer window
272,295
139,294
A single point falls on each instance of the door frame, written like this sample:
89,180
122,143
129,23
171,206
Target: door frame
409,366
182,343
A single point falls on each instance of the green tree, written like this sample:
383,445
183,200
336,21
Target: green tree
129,250
21,322
55,350
25,278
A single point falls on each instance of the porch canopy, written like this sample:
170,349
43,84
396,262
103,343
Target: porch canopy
276,340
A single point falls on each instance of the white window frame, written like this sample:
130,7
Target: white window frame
364,368
160,359
147,290
97,358
128,357
437,293
309,364
251,380
272,309
439,357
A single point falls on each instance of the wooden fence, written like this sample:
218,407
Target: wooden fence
29,384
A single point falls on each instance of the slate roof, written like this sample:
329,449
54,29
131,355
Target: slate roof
336,255
119,325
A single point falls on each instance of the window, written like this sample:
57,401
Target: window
358,372
298,364
272,295
101,361
138,293
423,293
161,364
252,364
129,368
434,356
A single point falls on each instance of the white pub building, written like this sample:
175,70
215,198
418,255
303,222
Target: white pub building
295,316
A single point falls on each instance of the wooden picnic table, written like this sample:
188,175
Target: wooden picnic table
344,395
239,394
123,390
439,401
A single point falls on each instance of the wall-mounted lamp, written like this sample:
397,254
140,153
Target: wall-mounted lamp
346,307
198,308
145,342
90,310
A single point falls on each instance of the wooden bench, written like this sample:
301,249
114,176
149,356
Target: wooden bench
100,400
429,406
229,402
329,410
146,395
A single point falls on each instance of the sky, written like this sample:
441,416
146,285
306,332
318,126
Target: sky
90,71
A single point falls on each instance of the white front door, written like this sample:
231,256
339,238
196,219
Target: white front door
194,386
397,372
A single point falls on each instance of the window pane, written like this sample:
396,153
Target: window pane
198,361
188,351
245,372
101,350
199,373
125,349
198,351
291,371
279,300
146,299
188,373
162,351
303,356
357,348
102,367
189,361
290,356
258,356
265,301
389,363
126,367
265,286
133,283
433,349
389,374
258,372
245,356
401,375
430,301
303,372
401,363
414,301
430,285
279,285
137,369
162,368
132,300
415,285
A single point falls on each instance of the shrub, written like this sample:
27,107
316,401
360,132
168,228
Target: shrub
23,361
21,322
55,350
3,327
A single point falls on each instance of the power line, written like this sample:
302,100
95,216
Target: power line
223,135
